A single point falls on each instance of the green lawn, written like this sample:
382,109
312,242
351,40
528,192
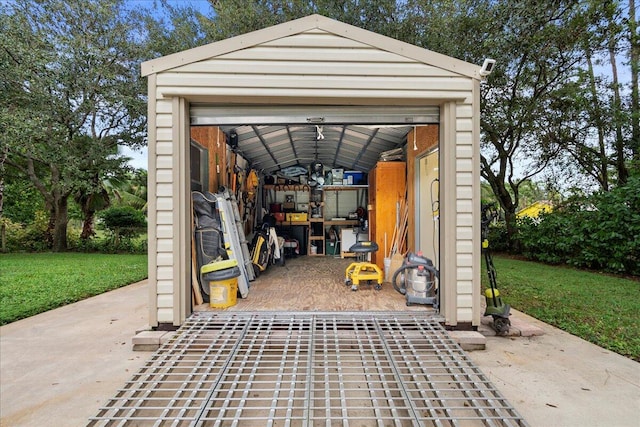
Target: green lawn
599,308
33,283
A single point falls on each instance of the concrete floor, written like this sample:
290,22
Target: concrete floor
59,367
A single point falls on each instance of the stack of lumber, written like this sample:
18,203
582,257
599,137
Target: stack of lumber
398,248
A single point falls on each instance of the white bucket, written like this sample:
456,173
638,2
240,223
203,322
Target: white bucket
314,250
387,269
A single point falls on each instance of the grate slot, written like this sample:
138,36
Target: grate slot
309,369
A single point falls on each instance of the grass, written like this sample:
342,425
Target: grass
34,283
599,308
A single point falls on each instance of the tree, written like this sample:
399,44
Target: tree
521,120
123,222
71,93
634,60
599,115
130,190
235,17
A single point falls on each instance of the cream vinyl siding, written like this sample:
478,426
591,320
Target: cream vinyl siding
164,211
466,163
313,65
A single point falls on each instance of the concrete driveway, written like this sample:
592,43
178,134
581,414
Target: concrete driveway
59,367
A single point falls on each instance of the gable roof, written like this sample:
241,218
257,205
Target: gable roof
308,23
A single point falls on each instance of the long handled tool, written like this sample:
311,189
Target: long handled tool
195,281
495,307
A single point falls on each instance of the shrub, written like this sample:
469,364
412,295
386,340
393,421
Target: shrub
123,224
27,238
598,232
498,241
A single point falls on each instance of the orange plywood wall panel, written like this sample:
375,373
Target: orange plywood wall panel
214,139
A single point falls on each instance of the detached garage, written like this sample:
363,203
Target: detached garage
311,91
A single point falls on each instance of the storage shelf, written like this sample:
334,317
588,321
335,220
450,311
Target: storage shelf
289,223
344,187
306,187
342,222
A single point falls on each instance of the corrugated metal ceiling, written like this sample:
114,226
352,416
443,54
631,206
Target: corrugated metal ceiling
274,147
275,138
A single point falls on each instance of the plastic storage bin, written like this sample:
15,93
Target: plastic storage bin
296,216
222,279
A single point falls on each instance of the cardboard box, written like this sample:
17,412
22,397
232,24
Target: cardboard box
338,175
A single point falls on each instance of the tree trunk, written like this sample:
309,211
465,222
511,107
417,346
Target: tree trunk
602,173
507,202
87,226
621,167
3,158
634,56
512,231
59,232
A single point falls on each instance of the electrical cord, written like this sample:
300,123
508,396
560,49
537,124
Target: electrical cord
435,211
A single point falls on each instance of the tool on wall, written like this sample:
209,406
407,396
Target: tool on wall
495,307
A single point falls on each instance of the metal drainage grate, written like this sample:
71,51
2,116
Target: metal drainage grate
309,369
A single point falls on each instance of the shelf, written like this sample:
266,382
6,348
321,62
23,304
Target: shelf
306,187
287,187
292,223
342,222
344,187
339,222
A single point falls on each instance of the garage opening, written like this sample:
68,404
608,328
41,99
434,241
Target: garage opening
328,178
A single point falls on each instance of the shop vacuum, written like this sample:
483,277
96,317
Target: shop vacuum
416,280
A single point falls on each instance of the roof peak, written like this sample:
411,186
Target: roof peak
302,25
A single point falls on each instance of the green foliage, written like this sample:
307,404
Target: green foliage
34,283
599,232
498,240
29,237
129,220
108,245
124,223
21,201
602,309
235,17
